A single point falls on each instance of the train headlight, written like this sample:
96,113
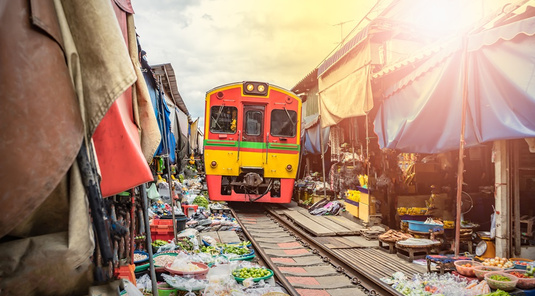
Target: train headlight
289,168
213,164
253,88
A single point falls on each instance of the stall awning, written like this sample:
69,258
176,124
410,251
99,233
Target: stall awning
422,111
345,88
311,135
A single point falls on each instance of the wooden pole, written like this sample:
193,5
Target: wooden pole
167,148
460,169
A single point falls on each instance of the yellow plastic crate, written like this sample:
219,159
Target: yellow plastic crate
353,195
352,207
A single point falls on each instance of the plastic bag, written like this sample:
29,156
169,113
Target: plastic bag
144,283
152,192
493,223
168,247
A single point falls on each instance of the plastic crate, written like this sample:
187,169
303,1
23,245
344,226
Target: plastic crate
161,229
126,272
352,207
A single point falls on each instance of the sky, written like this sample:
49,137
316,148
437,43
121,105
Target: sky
215,42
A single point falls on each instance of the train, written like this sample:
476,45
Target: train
252,142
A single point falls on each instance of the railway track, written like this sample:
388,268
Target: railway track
300,263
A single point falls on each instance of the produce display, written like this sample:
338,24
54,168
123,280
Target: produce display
163,260
201,201
480,271
480,288
238,250
158,243
138,257
529,270
466,267
526,280
521,275
499,262
498,293
251,272
500,280
520,264
499,277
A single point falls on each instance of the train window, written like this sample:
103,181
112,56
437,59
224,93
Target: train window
253,123
283,123
223,119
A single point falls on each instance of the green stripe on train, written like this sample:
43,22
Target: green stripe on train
251,145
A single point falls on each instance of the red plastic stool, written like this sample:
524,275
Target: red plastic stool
187,209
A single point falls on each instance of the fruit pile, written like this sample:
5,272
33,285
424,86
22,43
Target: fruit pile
251,272
499,262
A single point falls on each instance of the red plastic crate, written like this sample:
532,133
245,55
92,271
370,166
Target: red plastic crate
126,272
161,229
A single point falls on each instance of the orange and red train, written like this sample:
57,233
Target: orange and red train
251,143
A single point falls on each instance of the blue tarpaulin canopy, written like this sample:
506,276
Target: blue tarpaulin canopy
422,111
311,135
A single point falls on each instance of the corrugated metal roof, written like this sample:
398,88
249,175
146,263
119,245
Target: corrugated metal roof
170,84
352,43
308,82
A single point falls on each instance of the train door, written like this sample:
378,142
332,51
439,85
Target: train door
253,123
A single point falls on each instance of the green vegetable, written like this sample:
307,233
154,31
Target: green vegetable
201,201
498,293
498,277
159,243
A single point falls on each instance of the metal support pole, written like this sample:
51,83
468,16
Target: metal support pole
145,206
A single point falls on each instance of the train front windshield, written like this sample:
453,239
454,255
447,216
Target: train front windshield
223,119
283,123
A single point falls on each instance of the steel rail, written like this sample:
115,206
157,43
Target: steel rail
357,274
258,249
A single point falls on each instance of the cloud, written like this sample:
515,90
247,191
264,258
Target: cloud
215,42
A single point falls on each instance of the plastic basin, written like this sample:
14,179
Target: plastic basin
239,279
420,226
142,253
480,271
198,274
523,283
521,264
502,285
466,270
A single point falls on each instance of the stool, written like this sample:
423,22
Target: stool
187,209
389,247
410,254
